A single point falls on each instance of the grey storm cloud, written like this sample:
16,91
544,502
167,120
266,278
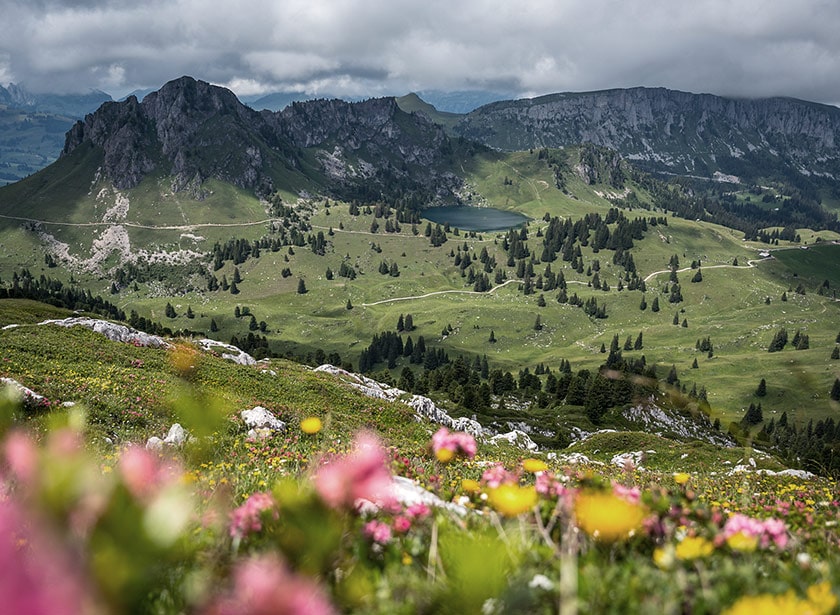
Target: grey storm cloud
748,48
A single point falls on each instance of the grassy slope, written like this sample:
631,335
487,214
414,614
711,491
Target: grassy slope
729,305
132,393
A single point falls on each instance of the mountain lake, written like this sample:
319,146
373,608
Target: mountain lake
475,218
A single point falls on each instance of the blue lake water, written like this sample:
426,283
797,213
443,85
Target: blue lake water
475,218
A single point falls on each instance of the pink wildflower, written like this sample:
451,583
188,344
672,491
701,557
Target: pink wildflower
497,475
447,444
361,474
39,576
401,524
22,457
767,531
248,517
418,511
378,532
145,472
263,585
631,494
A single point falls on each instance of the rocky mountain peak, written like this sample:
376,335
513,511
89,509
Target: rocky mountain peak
193,131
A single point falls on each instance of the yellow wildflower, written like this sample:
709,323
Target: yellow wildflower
821,597
820,601
607,517
681,478
469,485
444,455
693,547
742,541
311,425
534,465
663,557
512,500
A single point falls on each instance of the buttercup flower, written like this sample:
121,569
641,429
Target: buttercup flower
534,465
607,516
693,547
512,500
681,478
311,425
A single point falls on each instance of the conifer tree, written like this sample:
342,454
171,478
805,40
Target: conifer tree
835,390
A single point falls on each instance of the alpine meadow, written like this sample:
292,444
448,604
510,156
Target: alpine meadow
553,355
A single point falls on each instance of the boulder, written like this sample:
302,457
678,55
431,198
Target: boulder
259,418
113,331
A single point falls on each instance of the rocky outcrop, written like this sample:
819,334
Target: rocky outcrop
113,331
227,351
426,410
651,418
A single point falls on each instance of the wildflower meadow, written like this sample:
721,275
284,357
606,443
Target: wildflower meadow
350,505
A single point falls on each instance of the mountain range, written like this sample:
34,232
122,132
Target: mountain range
663,131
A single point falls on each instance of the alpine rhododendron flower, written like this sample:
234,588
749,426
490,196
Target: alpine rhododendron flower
145,472
248,518
378,531
446,445
39,575
263,585
497,475
362,474
764,532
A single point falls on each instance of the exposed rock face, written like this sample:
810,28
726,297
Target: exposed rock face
195,131
426,410
227,351
114,332
670,131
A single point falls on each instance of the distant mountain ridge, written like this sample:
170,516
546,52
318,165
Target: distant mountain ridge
672,131
32,127
72,105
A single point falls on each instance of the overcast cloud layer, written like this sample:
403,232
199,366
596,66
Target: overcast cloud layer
749,48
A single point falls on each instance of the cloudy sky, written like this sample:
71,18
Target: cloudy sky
747,48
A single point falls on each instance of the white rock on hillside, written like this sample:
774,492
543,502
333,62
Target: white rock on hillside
407,492
115,332
634,458
228,351
515,438
176,436
424,408
24,393
260,418
655,420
